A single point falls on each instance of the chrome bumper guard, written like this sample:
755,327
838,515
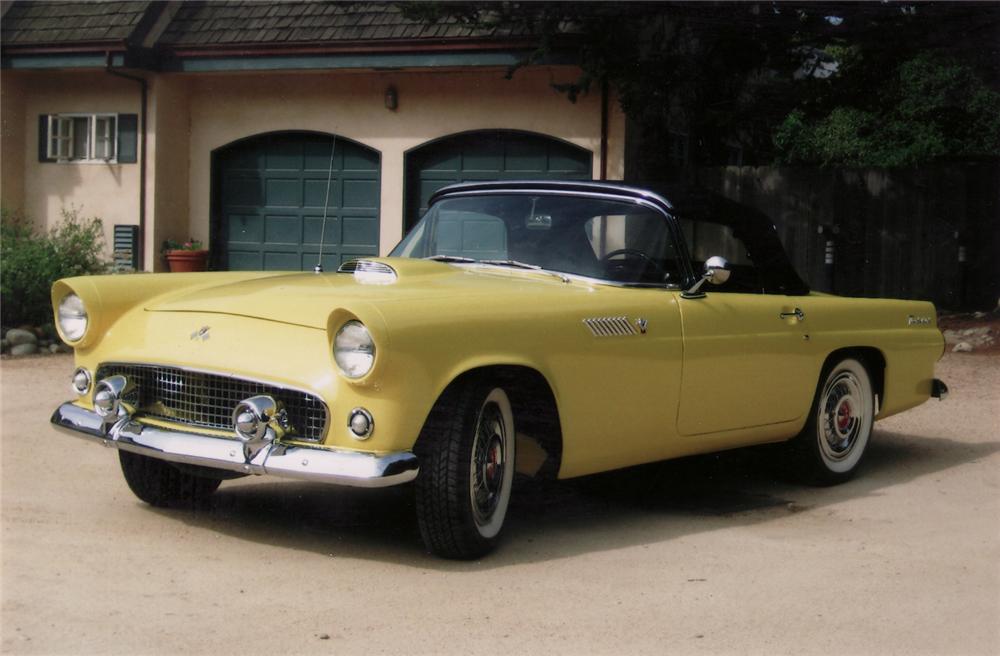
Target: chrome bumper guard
334,466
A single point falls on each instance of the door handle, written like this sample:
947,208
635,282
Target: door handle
797,313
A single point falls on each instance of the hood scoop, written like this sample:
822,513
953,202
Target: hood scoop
369,272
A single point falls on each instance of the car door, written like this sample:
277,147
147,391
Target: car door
745,362
746,352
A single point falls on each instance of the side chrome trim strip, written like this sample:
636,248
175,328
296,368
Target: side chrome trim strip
332,466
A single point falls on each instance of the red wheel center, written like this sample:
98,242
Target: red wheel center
843,416
493,463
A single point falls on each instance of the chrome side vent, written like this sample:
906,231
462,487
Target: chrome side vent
610,326
368,271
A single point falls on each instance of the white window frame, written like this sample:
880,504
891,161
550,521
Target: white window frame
61,141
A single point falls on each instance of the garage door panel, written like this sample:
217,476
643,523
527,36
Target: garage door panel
360,194
245,228
245,260
559,163
482,161
314,193
358,232
355,160
312,228
283,230
283,192
283,155
239,190
272,190
278,261
526,156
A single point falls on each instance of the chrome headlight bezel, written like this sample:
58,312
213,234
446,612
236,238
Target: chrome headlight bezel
72,318
354,350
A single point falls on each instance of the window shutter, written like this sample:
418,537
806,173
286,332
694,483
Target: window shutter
43,138
128,131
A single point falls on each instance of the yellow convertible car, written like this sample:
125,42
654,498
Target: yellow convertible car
553,329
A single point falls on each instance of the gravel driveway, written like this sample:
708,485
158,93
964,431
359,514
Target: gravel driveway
709,555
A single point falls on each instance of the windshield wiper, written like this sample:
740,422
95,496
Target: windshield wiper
449,258
511,263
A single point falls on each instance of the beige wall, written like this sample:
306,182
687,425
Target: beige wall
432,104
12,147
168,145
189,116
108,191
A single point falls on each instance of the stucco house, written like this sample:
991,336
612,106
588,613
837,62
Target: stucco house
220,120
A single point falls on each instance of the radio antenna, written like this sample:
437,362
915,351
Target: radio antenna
326,204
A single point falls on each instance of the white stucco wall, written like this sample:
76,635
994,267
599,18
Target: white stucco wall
432,104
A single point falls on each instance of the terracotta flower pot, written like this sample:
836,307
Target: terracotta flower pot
182,261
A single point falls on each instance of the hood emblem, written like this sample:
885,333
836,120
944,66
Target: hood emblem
201,333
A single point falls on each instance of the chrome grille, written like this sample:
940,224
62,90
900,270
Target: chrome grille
207,400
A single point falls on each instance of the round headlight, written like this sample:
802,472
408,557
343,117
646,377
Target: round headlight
72,317
354,350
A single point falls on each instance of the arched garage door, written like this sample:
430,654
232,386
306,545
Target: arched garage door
488,155
269,192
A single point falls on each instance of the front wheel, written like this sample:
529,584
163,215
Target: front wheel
466,453
163,485
830,447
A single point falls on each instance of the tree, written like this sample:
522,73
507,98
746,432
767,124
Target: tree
868,84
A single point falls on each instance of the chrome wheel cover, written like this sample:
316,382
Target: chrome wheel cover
843,416
492,466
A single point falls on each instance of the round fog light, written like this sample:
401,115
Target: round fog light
81,381
361,424
105,402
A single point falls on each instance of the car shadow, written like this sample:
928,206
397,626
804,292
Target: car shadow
550,520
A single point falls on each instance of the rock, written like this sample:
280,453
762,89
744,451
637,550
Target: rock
44,343
4,344
18,336
978,315
962,347
952,337
55,348
23,349
984,330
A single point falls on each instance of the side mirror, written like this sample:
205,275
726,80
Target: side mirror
716,272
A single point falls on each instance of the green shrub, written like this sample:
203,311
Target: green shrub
31,260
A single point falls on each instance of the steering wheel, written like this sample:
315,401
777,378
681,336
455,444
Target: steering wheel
635,252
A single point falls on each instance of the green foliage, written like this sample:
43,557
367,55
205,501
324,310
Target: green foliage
930,107
30,261
797,82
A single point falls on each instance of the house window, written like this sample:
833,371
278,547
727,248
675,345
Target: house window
83,137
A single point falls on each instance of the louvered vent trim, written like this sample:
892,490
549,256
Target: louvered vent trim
369,271
610,326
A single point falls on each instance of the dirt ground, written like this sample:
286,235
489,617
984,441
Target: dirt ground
708,555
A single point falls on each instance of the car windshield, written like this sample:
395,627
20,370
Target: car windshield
617,241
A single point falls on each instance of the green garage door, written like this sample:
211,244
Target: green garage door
488,155
269,198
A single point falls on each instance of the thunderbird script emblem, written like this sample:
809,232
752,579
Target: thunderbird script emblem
201,333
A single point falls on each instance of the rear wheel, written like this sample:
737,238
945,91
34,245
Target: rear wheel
831,446
160,484
466,453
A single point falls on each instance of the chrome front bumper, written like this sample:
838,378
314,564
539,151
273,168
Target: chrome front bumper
335,466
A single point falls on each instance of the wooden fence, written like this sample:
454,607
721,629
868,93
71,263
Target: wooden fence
931,233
